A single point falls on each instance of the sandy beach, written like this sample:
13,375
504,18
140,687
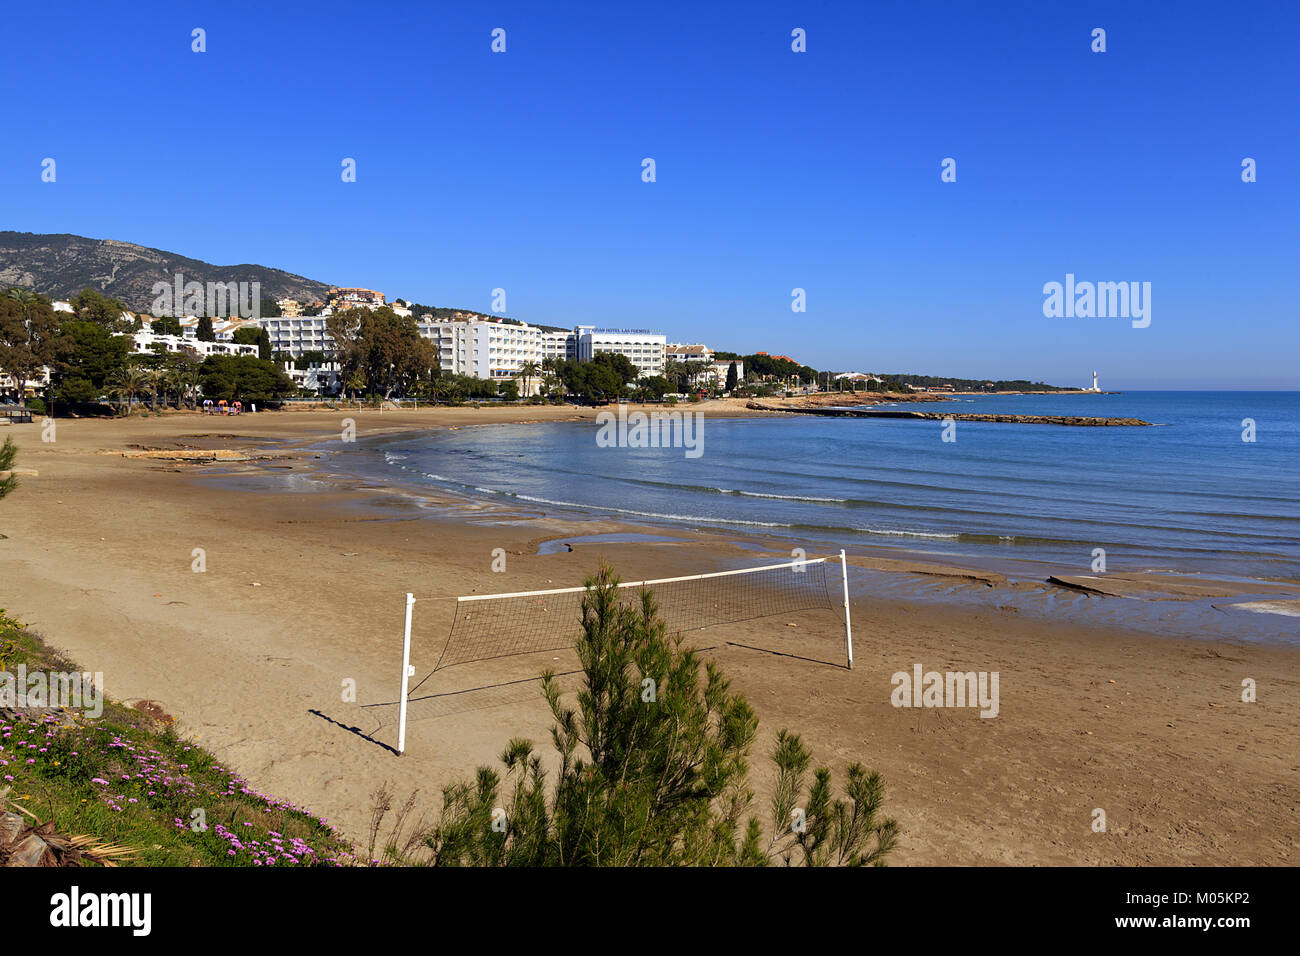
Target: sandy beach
303,591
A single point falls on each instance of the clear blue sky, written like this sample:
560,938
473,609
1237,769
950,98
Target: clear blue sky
775,170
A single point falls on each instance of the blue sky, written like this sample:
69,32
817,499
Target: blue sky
775,170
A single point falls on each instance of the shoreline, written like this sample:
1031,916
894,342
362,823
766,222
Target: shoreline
302,590
1011,572
1260,606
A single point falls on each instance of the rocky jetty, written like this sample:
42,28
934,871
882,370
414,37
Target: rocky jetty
1073,420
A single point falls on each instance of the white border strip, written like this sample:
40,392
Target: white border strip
637,584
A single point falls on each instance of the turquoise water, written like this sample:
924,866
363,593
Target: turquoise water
1189,495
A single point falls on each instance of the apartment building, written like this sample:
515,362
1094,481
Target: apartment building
710,372
323,378
348,298
141,342
450,340
500,350
561,345
223,330
485,349
645,349
689,353
9,384
293,335
717,372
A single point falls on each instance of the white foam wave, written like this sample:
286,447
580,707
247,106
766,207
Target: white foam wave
894,533
759,494
589,506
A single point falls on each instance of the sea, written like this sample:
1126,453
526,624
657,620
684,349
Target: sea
1213,487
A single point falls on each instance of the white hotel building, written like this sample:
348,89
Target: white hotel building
141,342
643,348
486,349
294,335
497,350
561,345
490,350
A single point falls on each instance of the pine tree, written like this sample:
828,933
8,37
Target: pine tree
654,766
204,331
8,451
731,377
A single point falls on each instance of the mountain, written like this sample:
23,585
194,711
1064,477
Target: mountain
60,266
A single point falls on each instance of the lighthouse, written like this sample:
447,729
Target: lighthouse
1095,388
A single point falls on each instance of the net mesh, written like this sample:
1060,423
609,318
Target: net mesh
529,623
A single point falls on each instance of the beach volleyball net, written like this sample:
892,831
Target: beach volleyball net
488,626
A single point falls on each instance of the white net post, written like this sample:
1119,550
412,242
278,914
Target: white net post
848,628
406,677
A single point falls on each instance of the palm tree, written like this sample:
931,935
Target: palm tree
422,389
128,382
694,369
674,371
181,381
453,390
25,296
354,384
153,384
190,373
529,371
172,381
